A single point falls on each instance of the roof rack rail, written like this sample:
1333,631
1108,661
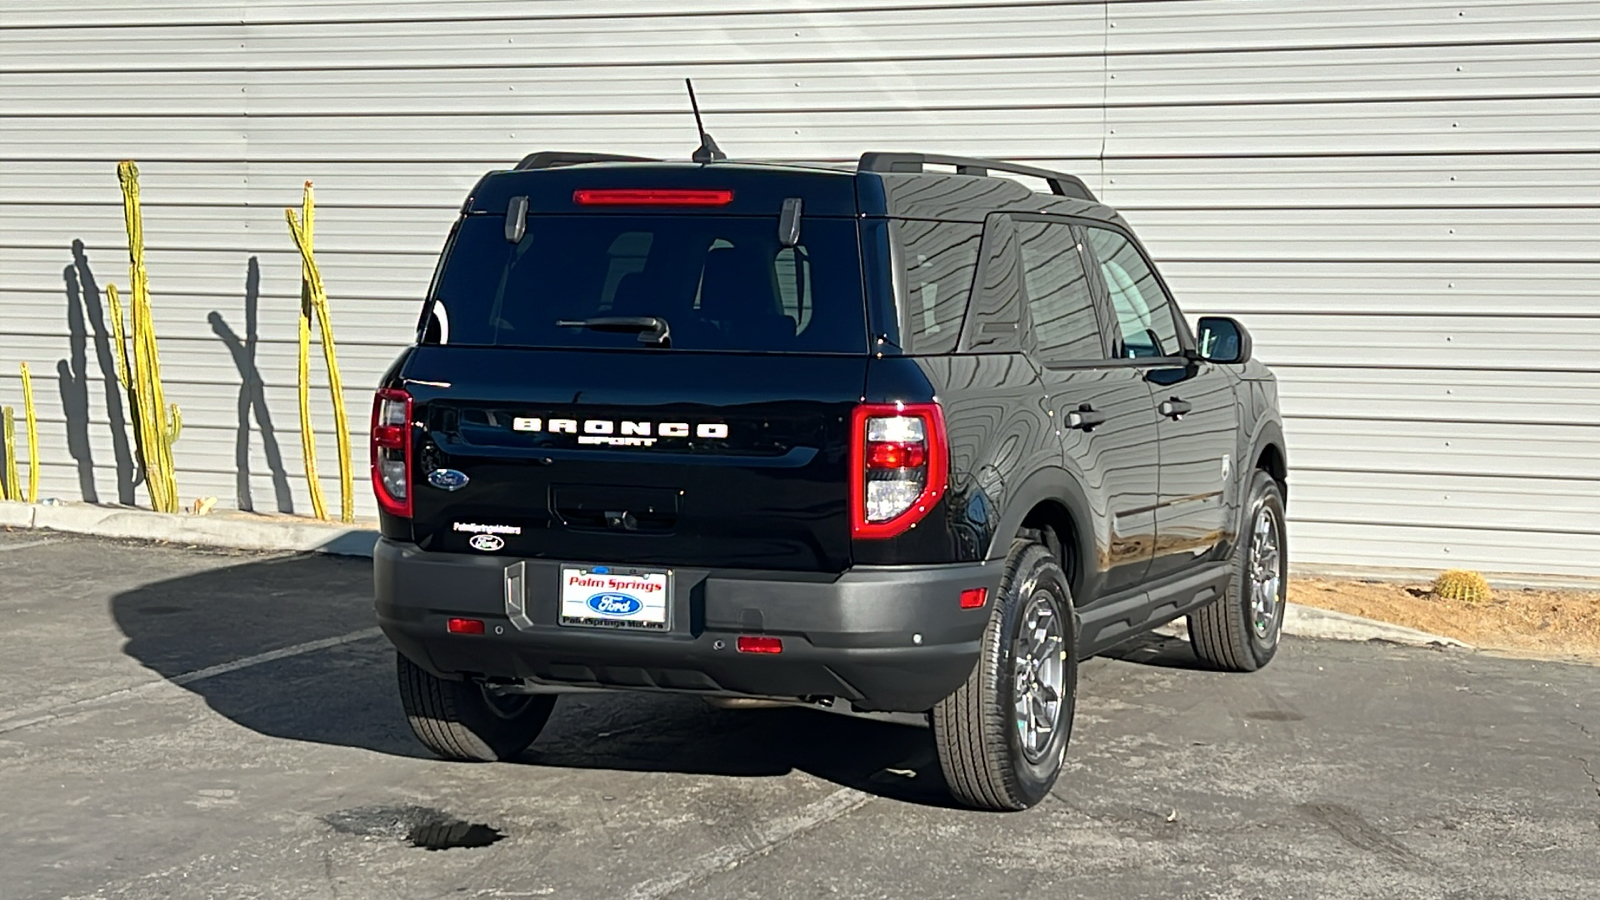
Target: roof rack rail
550,159
1061,184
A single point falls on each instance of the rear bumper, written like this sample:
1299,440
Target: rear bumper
884,638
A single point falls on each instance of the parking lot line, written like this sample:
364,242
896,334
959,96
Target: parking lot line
767,836
13,720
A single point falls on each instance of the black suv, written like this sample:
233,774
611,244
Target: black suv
873,438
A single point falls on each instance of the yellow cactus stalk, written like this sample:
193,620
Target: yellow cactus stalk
118,334
308,437
10,485
314,301
158,422
1467,587
33,436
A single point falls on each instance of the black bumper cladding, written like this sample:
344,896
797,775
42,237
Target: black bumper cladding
889,638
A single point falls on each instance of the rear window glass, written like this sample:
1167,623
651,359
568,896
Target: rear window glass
721,283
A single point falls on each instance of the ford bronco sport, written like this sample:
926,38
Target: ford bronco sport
875,438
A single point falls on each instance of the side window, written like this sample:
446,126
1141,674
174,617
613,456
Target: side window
1060,302
997,309
940,259
1145,319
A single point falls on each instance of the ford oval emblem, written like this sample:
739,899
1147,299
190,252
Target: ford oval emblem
448,479
488,543
614,604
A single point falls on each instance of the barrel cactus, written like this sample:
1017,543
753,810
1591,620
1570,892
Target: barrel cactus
1468,587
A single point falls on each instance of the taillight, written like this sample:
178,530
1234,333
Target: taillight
391,451
899,466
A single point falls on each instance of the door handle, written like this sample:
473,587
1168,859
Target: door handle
1084,418
1175,409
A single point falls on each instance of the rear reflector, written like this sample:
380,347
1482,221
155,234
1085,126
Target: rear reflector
751,644
643,197
974,598
464,626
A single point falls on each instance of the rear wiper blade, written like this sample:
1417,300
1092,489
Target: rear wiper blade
651,329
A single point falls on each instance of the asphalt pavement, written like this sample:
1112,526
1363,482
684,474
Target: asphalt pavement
188,723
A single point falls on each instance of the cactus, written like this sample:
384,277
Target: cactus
314,302
1468,587
119,337
10,487
158,421
32,418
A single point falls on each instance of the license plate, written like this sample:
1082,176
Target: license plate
616,597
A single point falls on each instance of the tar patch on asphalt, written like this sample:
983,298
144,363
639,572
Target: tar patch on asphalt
429,829
1274,715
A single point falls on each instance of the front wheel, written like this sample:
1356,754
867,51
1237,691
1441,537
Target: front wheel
1002,735
467,720
1239,631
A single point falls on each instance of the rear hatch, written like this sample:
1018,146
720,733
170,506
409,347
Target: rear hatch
632,380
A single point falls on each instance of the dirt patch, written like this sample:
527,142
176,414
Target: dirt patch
1543,622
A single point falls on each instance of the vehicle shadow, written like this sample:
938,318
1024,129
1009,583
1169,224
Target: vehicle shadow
188,627
340,690
1162,651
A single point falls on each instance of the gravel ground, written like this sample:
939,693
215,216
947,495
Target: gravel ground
1541,622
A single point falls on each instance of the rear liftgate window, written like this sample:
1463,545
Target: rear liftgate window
720,282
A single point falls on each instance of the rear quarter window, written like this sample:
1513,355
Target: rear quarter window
940,260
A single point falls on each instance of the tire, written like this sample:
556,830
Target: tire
1240,631
983,751
460,720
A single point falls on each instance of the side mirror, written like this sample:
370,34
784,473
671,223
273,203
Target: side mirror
1224,340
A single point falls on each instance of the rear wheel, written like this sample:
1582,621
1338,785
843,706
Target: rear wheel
468,720
1002,735
1239,632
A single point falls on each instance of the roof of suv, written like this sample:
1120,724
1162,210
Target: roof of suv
878,184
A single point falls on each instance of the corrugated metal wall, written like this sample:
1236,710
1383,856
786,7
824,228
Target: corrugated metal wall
1401,198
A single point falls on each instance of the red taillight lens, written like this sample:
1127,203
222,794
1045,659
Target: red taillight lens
974,598
899,466
464,626
896,455
646,197
753,644
391,451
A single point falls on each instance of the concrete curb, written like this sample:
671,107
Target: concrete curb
1325,624
235,530
247,531
1400,575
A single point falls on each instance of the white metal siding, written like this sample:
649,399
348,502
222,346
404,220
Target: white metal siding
1402,200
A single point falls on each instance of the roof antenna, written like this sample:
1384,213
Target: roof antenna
708,151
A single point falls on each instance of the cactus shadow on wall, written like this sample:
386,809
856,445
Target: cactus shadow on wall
86,314
252,398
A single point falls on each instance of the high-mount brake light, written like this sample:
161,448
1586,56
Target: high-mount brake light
391,451
651,197
899,466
